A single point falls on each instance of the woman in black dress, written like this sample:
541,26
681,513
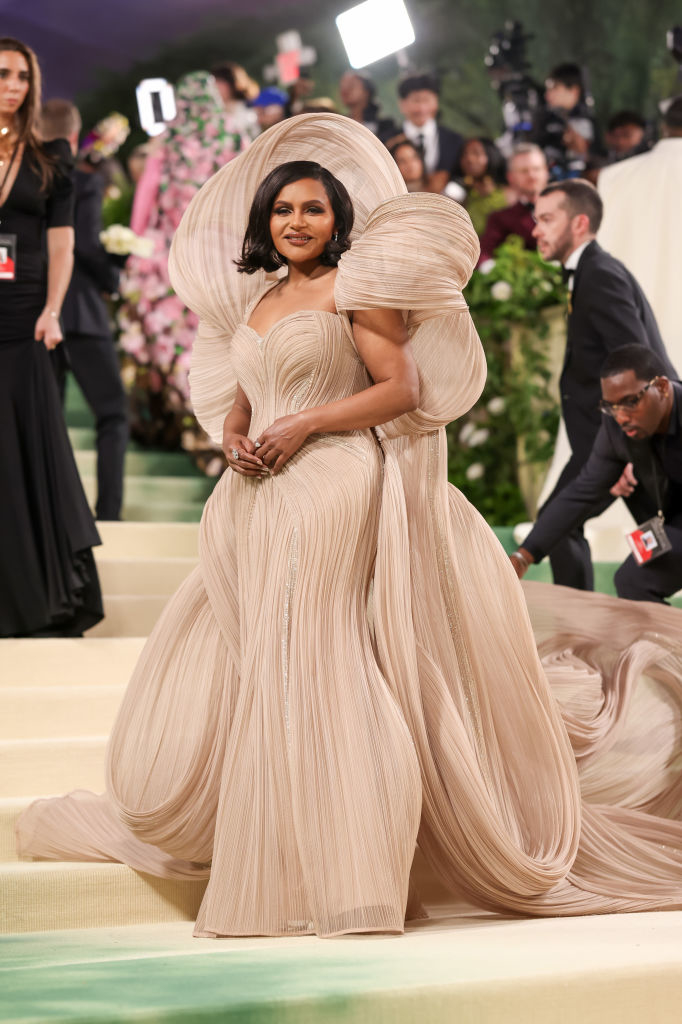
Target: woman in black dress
48,579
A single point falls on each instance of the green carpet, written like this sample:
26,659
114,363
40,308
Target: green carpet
472,968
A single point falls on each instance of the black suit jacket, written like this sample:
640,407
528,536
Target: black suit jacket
94,270
449,148
589,493
609,310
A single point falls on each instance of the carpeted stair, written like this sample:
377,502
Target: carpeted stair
58,698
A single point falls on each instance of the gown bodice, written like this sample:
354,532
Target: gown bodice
304,360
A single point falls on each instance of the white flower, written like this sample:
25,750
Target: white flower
496,406
501,291
117,239
467,430
128,375
142,247
546,286
122,241
486,266
479,436
475,471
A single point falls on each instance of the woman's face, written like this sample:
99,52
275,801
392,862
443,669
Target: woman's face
15,79
409,163
352,90
302,220
474,159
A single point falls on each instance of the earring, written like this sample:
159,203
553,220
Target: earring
335,236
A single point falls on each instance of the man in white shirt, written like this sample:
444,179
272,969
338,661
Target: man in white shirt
643,223
418,99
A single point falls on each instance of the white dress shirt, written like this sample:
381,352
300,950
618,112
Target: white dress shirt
573,260
427,137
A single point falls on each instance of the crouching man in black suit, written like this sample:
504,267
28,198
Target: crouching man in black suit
607,309
89,349
640,444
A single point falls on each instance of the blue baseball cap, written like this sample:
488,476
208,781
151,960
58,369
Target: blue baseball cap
270,98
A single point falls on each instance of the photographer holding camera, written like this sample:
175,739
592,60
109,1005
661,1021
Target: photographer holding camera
565,127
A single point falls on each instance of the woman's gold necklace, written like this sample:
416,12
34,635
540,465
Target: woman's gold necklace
6,145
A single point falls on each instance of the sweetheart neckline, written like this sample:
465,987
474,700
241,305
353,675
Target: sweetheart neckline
296,312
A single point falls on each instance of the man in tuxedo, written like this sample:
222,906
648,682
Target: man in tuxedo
607,309
88,349
641,430
527,174
418,100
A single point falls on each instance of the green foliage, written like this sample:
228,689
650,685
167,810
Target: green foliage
118,204
516,418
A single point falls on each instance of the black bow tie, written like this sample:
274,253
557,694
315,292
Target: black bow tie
566,274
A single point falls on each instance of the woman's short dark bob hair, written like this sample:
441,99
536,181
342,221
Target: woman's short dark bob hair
258,250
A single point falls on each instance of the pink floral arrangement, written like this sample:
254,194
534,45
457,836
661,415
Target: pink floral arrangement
156,330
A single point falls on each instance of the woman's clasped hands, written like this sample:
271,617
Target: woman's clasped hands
271,449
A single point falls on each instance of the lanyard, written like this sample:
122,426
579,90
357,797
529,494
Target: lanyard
657,489
7,172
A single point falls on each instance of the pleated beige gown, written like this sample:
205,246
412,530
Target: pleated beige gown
351,670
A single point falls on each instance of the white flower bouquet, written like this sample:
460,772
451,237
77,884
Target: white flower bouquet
122,241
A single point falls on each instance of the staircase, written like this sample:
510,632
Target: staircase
59,698
160,486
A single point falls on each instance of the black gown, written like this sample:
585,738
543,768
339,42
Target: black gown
48,579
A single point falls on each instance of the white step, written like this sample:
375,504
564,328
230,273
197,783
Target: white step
149,540
41,712
141,576
52,765
65,662
43,896
126,615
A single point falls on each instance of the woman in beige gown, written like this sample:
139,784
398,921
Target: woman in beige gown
351,670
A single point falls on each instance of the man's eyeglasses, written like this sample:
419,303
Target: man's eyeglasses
629,402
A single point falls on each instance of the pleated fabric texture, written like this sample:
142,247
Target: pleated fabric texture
352,668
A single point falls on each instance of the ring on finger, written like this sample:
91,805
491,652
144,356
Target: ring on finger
257,445
235,454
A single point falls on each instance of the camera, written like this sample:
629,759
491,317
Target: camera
507,66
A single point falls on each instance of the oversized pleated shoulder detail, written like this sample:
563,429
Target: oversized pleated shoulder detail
209,238
416,254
